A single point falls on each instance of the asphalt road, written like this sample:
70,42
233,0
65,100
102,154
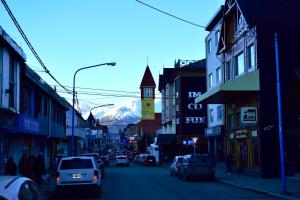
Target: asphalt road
149,183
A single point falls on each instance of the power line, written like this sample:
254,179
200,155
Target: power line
30,46
186,21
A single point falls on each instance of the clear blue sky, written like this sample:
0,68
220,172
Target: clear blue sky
69,34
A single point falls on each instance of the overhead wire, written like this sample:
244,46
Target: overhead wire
30,46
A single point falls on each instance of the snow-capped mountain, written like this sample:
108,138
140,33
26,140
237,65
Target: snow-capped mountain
116,117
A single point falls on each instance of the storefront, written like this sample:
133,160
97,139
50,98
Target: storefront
216,142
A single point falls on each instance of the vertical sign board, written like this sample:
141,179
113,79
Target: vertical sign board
248,115
192,116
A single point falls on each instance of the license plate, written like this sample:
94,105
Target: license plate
76,175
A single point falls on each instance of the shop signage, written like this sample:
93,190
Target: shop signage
213,131
248,115
28,124
188,142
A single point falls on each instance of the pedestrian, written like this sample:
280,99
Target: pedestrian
10,167
23,166
39,169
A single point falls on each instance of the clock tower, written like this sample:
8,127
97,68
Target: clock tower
147,88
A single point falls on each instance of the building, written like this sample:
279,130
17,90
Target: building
12,60
246,45
150,121
215,131
182,119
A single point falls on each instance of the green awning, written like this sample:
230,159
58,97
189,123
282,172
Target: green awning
230,90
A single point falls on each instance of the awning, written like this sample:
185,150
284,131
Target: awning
230,90
165,139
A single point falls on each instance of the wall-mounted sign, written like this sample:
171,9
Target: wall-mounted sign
248,115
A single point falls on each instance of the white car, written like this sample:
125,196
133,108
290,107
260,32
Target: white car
122,160
17,187
78,172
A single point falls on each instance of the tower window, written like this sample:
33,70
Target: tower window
148,93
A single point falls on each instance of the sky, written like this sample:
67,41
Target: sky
70,34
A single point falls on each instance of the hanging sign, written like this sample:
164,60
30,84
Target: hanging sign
248,115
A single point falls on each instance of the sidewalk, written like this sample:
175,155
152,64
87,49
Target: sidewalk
266,186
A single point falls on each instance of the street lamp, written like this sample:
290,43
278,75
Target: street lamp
195,140
88,67
101,106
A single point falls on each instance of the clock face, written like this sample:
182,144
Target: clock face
148,104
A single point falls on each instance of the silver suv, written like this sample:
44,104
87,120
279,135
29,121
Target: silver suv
78,172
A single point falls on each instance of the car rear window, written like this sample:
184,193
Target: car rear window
151,157
200,159
180,160
76,163
121,158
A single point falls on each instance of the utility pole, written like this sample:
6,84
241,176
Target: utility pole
281,144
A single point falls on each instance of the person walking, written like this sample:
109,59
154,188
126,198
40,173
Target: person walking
22,166
10,167
39,169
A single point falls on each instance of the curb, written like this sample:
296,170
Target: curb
256,190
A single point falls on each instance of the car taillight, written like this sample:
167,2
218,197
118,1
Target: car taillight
96,175
57,177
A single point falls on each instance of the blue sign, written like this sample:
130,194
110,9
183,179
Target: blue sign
28,124
188,142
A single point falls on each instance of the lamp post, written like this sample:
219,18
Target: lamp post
195,140
88,67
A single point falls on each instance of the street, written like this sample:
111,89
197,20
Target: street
137,182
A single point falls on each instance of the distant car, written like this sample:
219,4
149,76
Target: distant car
79,172
197,166
136,159
142,158
19,188
175,165
150,160
122,160
105,160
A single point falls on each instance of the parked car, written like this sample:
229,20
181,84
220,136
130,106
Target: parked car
18,187
197,166
175,165
122,160
79,172
150,160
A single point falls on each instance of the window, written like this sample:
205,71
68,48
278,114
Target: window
209,46
45,107
148,93
27,97
76,163
1,76
12,82
251,56
219,113
239,64
210,80
217,34
37,105
218,75
211,115
228,70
